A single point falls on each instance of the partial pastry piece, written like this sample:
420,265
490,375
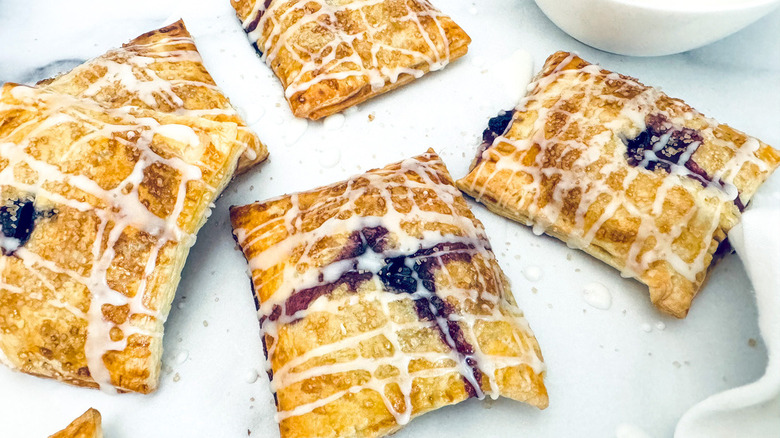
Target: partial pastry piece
163,71
622,171
330,55
379,300
88,425
98,207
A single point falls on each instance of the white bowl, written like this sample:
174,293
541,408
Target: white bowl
653,27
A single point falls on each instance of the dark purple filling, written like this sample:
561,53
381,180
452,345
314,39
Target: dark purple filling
253,25
680,141
677,143
18,220
497,126
359,241
398,277
400,274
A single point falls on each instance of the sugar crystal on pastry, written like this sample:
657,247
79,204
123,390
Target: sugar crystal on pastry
622,171
379,300
102,191
330,55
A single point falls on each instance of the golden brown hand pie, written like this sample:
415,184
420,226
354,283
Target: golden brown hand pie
98,207
622,171
87,425
333,54
160,70
379,300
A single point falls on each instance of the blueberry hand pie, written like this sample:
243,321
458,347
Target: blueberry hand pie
99,207
330,55
620,170
89,425
163,71
379,300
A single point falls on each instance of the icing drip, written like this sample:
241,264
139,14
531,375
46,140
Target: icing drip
118,210
273,27
385,263
574,181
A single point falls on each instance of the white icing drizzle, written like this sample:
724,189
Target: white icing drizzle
329,62
126,73
629,122
121,206
305,275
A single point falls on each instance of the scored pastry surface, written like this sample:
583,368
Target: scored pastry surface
380,299
160,70
99,209
333,54
620,170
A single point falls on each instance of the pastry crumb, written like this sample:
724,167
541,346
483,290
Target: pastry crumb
752,342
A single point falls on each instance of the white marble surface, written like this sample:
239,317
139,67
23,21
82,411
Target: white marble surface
607,374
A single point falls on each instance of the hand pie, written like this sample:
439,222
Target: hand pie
86,426
622,171
379,300
98,207
330,55
163,71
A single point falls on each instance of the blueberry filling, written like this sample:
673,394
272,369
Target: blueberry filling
402,274
497,126
18,222
253,25
665,146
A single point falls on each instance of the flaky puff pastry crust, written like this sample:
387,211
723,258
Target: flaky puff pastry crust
160,70
330,55
380,300
88,425
99,209
620,170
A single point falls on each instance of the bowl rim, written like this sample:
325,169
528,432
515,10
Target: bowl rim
698,6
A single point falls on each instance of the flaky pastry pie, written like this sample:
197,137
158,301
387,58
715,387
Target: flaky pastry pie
99,207
379,300
163,71
88,425
620,170
333,54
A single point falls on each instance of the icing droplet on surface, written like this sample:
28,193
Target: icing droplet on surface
626,430
251,376
597,296
532,273
294,130
182,356
330,157
660,325
647,328
334,122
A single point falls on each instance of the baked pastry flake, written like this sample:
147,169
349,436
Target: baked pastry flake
620,170
379,300
330,55
88,425
163,71
99,207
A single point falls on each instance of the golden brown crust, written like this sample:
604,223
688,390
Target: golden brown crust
352,51
99,209
378,293
163,71
88,425
635,178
